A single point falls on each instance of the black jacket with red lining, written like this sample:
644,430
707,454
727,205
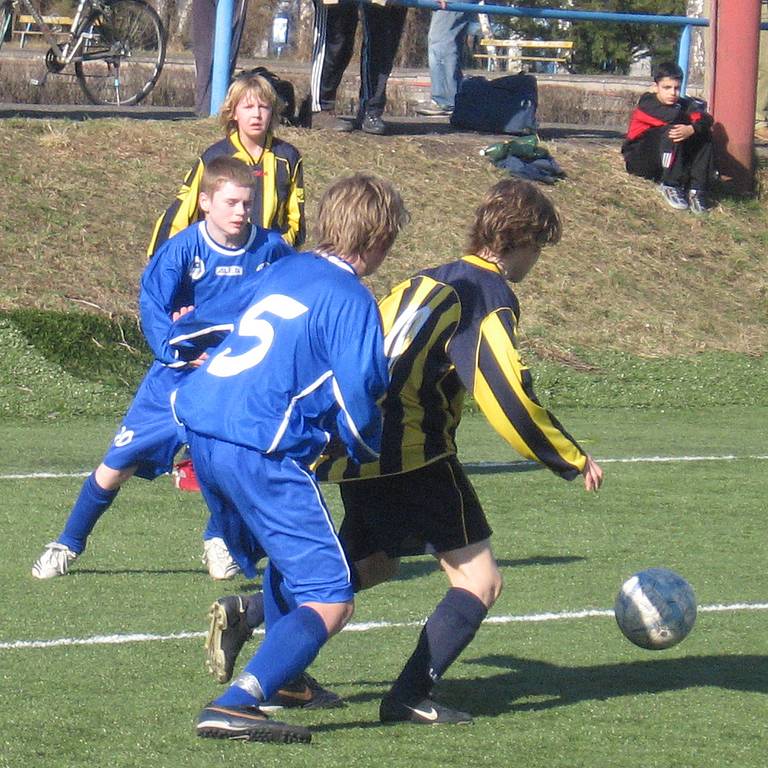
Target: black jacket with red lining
651,113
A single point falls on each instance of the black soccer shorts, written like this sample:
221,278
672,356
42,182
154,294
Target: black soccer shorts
431,509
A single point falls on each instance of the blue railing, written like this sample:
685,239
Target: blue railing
221,73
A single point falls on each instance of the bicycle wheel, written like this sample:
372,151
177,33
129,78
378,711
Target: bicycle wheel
123,52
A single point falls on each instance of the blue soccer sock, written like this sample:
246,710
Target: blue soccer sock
92,502
288,649
448,631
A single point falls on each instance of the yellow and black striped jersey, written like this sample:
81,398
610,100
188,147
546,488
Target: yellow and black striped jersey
448,331
278,202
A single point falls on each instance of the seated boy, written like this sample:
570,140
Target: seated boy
191,291
669,140
304,364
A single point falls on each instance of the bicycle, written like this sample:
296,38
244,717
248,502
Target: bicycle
117,47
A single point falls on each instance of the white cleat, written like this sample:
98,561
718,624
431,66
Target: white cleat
54,561
221,566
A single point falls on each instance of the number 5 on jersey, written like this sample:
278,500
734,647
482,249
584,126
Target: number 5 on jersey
251,324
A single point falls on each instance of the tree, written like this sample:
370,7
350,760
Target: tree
607,46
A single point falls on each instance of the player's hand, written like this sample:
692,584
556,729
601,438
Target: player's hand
180,312
198,361
593,475
680,132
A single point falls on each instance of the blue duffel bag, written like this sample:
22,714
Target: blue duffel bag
503,105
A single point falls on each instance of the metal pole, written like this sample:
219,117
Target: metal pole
221,53
684,55
735,30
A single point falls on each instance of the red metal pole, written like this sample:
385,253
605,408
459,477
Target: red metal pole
735,31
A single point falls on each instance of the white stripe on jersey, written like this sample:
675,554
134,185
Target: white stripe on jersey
284,423
350,422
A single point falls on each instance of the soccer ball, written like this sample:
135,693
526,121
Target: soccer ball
655,608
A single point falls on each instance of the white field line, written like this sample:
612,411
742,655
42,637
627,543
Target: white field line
367,626
468,464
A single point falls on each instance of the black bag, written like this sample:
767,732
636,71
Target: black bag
504,105
284,90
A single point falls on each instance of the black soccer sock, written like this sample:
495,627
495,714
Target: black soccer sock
254,610
448,631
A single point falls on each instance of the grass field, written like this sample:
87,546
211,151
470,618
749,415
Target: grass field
647,334
547,687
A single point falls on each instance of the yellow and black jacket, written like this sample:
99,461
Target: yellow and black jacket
278,203
448,331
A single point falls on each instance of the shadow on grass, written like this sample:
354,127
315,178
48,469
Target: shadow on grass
531,686
500,467
410,569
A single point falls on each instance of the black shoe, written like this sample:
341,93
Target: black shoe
426,712
303,693
227,634
248,724
373,124
698,201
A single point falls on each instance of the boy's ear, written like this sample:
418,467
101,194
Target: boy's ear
204,202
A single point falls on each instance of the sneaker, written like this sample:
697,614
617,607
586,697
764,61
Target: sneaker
227,634
674,196
248,724
433,109
425,712
216,557
698,201
373,124
329,120
303,693
185,477
54,561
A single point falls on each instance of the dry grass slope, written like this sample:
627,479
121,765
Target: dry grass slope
630,274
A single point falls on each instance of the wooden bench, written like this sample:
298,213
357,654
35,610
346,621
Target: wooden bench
514,50
26,25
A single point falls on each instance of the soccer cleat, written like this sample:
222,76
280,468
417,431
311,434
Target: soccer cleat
185,477
303,693
373,124
425,712
54,561
219,562
247,723
227,633
674,197
698,201
433,109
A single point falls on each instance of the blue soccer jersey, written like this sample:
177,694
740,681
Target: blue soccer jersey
306,362
191,269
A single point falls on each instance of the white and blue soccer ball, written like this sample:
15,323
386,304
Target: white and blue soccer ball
655,608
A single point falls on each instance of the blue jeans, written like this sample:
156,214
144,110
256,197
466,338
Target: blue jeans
446,40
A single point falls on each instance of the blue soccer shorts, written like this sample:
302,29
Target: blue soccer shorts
273,503
149,435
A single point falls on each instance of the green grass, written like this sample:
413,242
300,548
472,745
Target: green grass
571,692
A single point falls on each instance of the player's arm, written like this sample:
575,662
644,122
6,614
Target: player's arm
503,389
295,234
182,211
360,380
158,288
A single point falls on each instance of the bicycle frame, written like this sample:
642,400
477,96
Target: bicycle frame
66,53
117,47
